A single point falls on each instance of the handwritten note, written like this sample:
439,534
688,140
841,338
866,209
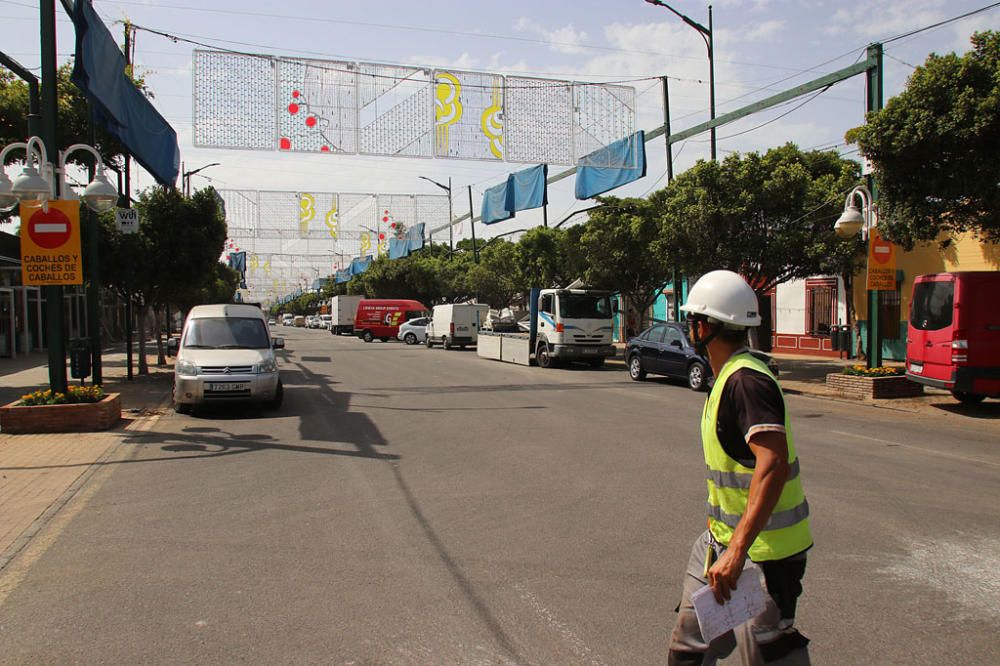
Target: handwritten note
748,600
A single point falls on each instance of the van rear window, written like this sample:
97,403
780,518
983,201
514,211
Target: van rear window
932,306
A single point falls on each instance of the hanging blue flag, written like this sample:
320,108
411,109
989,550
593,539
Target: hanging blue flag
627,160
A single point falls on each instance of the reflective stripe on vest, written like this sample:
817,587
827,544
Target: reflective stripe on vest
787,530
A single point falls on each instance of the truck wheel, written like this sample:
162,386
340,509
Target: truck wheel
445,342
367,336
543,357
696,376
596,363
410,339
635,370
968,398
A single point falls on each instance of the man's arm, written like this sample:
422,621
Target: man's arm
769,477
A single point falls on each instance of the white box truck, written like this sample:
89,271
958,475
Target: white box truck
455,324
342,311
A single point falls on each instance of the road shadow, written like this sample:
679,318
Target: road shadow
984,410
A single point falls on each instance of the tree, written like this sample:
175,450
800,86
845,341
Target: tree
934,147
219,287
614,247
768,217
495,278
179,242
543,258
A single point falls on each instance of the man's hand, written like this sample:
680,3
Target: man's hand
724,574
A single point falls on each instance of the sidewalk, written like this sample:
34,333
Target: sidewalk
39,474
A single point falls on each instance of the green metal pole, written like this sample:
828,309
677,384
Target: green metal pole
50,109
874,84
92,266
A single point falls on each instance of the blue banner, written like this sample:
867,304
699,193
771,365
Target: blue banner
527,188
495,205
629,153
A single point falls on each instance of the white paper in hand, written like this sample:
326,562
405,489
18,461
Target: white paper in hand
748,600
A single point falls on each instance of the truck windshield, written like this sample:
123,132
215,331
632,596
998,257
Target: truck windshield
226,333
584,306
932,305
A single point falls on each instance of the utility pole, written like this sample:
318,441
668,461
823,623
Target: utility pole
472,226
49,135
127,196
873,80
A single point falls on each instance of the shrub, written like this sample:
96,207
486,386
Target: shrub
73,395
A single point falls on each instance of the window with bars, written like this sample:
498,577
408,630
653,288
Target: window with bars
821,299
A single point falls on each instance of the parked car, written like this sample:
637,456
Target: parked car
272,322
326,321
414,331
314,321
225,353
287,320
953,338
664,349
299,321
456,324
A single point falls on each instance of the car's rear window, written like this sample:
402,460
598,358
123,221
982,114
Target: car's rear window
932,306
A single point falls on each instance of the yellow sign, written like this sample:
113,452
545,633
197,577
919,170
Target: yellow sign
881,263
50,244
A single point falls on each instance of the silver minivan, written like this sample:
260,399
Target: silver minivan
225,354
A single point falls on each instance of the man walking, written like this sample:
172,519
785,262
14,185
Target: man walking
757,510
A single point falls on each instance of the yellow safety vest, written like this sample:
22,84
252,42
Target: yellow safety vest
787,531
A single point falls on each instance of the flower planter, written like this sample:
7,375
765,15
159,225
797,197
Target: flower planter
869,388
80,417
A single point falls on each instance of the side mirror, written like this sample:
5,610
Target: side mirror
171,346
278,343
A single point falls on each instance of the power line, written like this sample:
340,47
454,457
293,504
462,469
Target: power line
941,23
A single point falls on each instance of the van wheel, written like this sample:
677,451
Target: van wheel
445,342
543,357
279,396
696,376
367,336
968,398
410,339
428,343
183,407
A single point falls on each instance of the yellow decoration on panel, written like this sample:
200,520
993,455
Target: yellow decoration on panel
366,243
331,221
307,211
492,123
447,108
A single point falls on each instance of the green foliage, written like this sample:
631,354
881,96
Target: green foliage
495,279
865,371
544,258
768,217
613,249
174,254
73,395
218,287
934,147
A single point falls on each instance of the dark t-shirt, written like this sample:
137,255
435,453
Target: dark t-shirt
751,402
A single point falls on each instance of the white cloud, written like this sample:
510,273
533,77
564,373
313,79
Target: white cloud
566,39
763,31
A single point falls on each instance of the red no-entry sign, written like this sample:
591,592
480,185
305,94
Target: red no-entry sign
50,229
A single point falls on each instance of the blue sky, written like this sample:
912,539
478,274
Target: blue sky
762,47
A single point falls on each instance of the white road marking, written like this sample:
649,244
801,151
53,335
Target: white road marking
943,454
51,228
574,642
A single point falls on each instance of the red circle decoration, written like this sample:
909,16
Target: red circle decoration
293,108
386,212
49,230
381,236
285,143
392,226
385,219
295,93
325,149
311,121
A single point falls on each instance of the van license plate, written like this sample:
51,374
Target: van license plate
916,368
590,350
226,387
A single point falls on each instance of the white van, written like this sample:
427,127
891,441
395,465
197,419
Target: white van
226,353
456,324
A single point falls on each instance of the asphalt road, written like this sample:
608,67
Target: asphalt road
415,506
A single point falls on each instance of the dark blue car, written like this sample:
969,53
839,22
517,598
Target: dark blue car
664,349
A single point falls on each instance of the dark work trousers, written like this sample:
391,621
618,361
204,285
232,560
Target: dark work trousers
770,638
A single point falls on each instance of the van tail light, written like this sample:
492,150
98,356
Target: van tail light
560,328
960,347
452,329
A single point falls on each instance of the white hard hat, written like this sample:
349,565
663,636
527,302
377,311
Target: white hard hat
725,297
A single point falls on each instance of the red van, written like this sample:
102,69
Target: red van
953,341
380,317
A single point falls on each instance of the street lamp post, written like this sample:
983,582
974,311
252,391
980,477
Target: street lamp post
706,35
863,219
451,216
186,176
